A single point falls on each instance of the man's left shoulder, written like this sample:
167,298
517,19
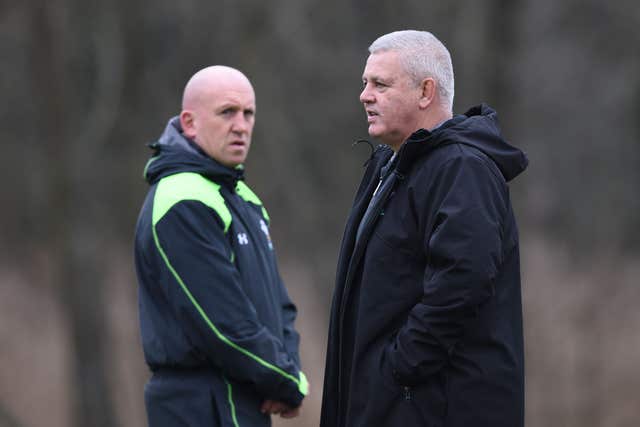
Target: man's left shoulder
455,156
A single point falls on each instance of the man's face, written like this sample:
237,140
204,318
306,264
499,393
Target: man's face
390,98
222,122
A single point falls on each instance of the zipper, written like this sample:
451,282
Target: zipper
342,306
348,280
356,255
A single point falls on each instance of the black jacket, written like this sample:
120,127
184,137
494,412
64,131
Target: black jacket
426,321
210,294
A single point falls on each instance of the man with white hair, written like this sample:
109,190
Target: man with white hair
426,322
216,322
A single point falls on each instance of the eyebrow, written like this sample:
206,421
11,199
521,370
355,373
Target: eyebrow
234,106
374,78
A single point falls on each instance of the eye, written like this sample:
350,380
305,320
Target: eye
228,111
249,113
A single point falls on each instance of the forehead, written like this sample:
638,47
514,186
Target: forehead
216,90
384,64
235,95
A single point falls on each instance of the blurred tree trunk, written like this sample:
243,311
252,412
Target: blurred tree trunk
73,226
503,37
6,419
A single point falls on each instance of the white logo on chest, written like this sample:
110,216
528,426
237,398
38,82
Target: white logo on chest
243,239
265,230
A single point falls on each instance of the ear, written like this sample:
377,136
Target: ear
428,89
188,124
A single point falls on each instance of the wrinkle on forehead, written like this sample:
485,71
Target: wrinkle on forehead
211,82
384,62
385,66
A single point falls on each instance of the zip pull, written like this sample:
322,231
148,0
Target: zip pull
377,188
407,393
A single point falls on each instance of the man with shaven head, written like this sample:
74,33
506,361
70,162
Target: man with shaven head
426,322
216,321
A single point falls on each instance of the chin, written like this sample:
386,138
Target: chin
381,136
375,133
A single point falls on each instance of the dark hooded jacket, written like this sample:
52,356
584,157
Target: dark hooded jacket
211,299
426,321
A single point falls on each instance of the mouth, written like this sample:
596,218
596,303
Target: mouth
238,144
371,115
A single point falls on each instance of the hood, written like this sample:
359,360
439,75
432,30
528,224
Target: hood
478,128
174,153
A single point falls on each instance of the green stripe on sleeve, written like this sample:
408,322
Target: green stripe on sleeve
209,323
189,186
231,404
248,195
303,385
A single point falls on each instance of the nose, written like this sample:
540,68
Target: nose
241,124
366,96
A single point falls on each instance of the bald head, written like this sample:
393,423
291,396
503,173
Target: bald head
210,81
218,113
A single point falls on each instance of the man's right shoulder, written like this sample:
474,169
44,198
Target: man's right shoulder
188,186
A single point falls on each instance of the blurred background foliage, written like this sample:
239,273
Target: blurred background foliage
86,84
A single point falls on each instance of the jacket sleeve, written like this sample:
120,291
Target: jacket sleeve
203,286
463,246
291,336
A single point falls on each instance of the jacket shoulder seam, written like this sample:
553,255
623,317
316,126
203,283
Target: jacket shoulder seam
183,186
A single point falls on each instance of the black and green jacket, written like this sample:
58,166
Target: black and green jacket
210,294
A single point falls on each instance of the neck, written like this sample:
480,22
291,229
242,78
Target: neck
431,121
436,118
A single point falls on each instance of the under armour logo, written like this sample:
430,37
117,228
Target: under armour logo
243,239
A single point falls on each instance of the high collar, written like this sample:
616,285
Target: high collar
479,128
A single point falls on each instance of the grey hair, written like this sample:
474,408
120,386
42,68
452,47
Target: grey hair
422,55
